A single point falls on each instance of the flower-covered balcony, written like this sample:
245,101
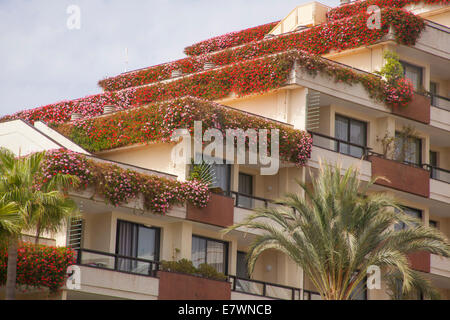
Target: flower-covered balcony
118,184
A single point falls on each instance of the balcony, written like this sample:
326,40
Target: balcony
440,102
177,286
430,263
247,289
111,276
439,183
219,211
440,112
115,262
435,40
418,109
403,177
334,150
116,276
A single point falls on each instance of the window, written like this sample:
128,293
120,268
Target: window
242,273
137,241
223,176
351,130
434,165
433,224
241,267
414,74
434,93
75,233
408,150
360,292
212,252
416,213
246,188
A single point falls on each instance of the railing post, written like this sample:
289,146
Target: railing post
264,289
237,199
150,269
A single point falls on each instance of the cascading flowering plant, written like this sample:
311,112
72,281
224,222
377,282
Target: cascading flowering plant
346,33
399,94
231,39
119,186
357,7
245,70
39,266
157,122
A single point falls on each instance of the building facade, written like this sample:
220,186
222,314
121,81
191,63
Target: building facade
313,73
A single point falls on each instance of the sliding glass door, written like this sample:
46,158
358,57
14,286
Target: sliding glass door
210,251
137,241
353,131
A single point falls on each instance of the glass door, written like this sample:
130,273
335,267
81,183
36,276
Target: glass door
245,188
136,241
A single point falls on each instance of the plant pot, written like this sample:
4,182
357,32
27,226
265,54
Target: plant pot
109,109
208,65
76,116
176,73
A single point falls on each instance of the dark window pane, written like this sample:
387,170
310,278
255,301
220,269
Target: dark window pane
215,255
408,150
211,252
223,176
146,243
245,187
241,268
353,131
416,213
433,224
198,251
136,241
414,74
434,92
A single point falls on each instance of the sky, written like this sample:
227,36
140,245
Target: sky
42,61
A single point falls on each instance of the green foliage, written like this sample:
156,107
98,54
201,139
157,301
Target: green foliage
42,207
187,267
338,230
421,286
392,69
182,266
208,271
204,173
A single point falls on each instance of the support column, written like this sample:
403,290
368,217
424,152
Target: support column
178,240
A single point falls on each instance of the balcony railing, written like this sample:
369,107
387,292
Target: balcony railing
337,145
438,173
440,102
270,290
116,262
250,202
437,26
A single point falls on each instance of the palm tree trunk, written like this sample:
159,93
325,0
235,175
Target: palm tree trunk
12,269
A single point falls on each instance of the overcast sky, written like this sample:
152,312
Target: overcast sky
42,61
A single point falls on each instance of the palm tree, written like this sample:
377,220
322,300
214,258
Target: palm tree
9,218
43,207
340,229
